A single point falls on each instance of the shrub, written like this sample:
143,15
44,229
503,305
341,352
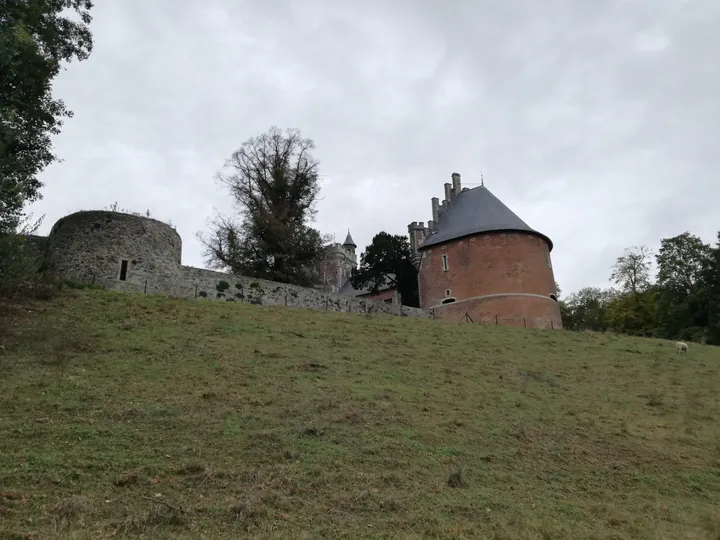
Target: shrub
20,265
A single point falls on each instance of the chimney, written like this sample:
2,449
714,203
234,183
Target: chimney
431,227
448,192
457,188
435,209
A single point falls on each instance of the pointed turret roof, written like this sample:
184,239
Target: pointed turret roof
349,241
475,211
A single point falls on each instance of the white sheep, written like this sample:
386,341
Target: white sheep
681,347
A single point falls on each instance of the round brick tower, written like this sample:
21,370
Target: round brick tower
477,258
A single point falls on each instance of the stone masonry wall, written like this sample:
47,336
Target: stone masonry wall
89,247
207,284
201,284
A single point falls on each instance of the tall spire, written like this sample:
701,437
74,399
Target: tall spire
349,241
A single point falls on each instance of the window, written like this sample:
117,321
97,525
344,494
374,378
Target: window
448,292
548,259
447,301
388,300
445,263
553,297
123,270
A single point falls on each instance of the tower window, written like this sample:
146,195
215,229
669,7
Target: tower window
445,266
548,260
123,269
448,292
448,300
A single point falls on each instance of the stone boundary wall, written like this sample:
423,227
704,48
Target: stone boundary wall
201,284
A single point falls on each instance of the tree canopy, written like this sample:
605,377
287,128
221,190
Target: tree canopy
388,261
273,179
36,37
682,302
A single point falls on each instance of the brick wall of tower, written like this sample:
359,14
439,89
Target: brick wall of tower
382,296
485,271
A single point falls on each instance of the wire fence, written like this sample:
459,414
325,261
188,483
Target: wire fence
525,322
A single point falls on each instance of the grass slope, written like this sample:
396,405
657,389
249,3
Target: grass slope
147,417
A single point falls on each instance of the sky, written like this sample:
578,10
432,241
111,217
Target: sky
598,123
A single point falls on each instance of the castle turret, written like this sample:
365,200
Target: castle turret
350,245
482,260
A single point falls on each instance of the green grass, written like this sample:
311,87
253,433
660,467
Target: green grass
136,416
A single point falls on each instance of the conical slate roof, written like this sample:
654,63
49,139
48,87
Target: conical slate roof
349,241
476,211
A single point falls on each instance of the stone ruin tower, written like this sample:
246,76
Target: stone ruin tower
476,257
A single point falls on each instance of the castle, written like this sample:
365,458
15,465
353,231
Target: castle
135,253
477,259
337,266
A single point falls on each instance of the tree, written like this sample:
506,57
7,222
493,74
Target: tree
711,278
388,261
632,270
681,262
585,309
274,181
36,37
682,309
632,313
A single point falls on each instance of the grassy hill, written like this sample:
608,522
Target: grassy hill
147,417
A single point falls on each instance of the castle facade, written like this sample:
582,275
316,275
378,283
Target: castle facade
478,260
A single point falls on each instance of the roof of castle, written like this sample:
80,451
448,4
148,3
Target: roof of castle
474,211
348,290
349,241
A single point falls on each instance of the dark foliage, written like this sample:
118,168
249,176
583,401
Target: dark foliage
36,37
274,181
387,261
682,303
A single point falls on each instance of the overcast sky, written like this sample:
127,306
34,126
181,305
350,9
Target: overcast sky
597,122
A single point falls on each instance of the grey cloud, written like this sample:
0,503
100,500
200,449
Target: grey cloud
595,121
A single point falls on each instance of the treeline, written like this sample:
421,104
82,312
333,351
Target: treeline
680,299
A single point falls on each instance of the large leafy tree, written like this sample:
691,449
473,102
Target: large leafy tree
273,179
36,37
631,309
631,271
586,309
388,261
682,308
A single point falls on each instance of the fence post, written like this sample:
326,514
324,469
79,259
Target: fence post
496,319
93,279
552,326
145,290
196,290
